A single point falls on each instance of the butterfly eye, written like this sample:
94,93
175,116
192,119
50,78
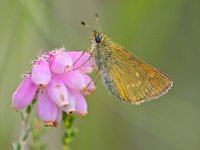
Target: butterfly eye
97,39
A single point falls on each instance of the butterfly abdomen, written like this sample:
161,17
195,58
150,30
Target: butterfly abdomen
109,84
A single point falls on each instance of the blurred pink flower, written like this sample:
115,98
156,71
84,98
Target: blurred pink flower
61,62
46,108
58,92
24,94
84,63
59,81
41,74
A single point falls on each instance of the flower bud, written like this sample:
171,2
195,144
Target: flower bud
74,80
82,61
46,108
58,92
59,116
71,106
90,88
41,74
24,94
80,104
62,63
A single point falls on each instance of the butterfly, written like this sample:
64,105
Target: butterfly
125,76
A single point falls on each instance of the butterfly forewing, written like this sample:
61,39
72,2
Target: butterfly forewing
130,79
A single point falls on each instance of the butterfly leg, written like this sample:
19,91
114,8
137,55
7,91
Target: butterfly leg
79,57
95,75
85,61
87,91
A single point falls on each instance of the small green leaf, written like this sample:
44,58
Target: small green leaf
34,101
28,109
74,132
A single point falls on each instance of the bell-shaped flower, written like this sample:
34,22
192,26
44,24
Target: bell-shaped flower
61,63
58,92
71,106
90,88
74,80
59,116
80,104
41,74
82,61
46,108
24,94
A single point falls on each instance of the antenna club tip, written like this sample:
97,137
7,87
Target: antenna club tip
83,23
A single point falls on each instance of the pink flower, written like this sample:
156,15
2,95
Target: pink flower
46,108
71,107
90,88
82,61
24,94
58,92
41,74
61,63
81,104
77,81
59,81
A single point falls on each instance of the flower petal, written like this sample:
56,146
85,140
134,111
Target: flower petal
62,63
81,104
46,109
90,88
59,116
82,61
58,92
74,80
24,94
71,106
41,74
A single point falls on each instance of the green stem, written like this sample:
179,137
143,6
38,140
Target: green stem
26,128
69,131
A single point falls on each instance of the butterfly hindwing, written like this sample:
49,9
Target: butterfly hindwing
132,80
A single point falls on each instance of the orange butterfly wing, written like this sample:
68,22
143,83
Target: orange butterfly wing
130,79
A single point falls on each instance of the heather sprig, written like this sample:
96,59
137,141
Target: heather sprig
59,83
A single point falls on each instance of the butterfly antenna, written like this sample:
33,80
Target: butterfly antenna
97,21
88,27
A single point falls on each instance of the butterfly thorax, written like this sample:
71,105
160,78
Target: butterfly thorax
100,49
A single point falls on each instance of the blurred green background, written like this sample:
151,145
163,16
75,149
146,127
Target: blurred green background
166,34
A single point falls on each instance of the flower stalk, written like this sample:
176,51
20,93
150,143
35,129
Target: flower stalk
26,128
69,131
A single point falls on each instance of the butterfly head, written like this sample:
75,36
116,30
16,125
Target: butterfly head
97,38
